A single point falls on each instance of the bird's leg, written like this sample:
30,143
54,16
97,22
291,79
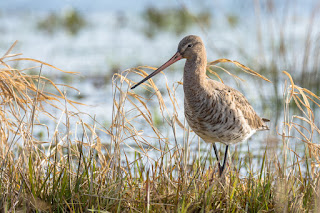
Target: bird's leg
224,160
217,156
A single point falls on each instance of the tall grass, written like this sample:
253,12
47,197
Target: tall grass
131,166
292,46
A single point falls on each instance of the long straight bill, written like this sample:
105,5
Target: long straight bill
172,60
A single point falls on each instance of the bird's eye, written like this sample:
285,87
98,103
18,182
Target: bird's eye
189,45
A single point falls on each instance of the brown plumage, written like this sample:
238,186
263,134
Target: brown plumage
214,111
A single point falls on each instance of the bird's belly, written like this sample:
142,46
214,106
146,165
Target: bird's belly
230,137
219,133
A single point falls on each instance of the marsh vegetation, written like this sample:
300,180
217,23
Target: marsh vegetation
58,156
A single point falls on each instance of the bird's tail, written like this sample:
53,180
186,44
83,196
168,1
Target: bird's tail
265,119
264,126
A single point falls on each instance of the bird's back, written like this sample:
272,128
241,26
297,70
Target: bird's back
218,113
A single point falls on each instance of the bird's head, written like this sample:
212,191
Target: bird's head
189,47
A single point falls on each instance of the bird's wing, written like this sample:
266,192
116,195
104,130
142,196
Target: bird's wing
248,112
242,104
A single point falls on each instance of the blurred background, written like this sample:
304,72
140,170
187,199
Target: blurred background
100,38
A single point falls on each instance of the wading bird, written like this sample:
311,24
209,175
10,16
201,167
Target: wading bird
214,111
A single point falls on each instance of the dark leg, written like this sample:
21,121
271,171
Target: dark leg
224,160
217,156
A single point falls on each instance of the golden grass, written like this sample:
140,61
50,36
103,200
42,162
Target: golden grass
22,93
133,166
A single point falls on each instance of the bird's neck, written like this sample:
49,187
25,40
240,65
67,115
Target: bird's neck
195,72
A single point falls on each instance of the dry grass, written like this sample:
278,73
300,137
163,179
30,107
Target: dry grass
137,168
